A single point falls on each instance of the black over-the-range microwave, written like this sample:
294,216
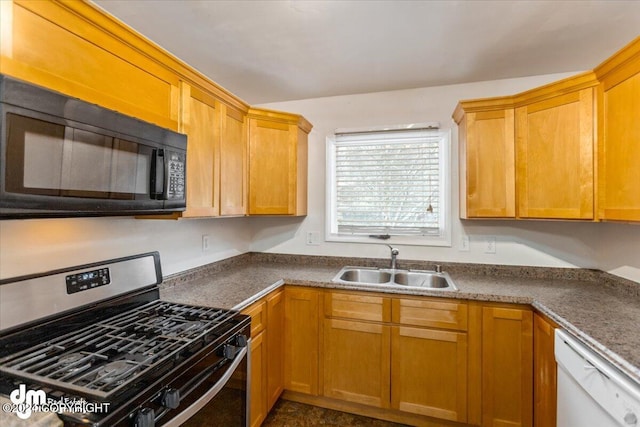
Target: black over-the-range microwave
63,157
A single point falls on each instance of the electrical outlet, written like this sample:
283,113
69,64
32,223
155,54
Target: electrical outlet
464,244
313,238
490,245
205,242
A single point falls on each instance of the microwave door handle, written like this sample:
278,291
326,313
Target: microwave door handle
158,174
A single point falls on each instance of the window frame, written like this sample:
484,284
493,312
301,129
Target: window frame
443,239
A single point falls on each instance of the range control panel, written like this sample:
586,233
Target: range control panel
87,280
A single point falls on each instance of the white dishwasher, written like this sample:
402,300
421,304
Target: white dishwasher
591,392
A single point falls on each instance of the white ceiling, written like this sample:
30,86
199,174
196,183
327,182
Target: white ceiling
277,50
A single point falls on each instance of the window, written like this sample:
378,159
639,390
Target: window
391,182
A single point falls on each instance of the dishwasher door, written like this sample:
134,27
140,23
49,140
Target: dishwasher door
591,392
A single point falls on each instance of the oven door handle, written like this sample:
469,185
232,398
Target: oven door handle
210,394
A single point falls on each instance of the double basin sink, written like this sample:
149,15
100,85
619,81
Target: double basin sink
422,279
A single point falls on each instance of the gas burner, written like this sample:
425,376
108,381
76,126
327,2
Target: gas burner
71,358
73,362
113,371
185,328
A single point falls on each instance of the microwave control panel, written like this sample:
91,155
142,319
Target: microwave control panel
87,280
175,185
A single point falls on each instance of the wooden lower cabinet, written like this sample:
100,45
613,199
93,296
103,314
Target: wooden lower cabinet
257,364
258,393
507,367
356,362
429,372
266,375
275,347
301,339
418,361
545,372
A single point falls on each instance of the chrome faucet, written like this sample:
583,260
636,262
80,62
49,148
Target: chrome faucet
394,257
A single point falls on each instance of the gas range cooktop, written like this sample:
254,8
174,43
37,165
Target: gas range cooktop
106,357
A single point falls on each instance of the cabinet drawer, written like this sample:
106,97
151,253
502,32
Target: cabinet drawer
435,314
357,306
258,314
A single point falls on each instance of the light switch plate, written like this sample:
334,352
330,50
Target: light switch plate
490,245
313,238
464,244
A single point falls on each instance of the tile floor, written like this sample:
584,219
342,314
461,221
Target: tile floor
292,414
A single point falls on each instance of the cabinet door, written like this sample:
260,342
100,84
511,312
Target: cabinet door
301,340
201,123
487,158
554,142
619,151
507,367
429,372
275,347
258,394
77,50
272,164
545,374
357,362
233,164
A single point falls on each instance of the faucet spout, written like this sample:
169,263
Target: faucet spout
394,257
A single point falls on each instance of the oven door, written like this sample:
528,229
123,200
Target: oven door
218,396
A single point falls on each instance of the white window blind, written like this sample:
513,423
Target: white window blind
388,182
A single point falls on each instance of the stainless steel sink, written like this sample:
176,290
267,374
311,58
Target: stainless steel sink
361,275
423,279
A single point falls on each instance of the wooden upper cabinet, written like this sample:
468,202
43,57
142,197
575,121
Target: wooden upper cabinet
619,135
487,159
201,122
216,155
530,155
73,48
555,150
234,172
277,163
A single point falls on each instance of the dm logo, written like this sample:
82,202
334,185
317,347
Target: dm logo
25,400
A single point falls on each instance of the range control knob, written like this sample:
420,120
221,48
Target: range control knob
145,417
228,351
631,419
171,398
241,340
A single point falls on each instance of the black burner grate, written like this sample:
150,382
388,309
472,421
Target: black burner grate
103,358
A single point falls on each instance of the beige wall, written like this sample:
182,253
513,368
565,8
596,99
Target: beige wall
32,246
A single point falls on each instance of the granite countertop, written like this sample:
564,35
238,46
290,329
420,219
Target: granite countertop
600,309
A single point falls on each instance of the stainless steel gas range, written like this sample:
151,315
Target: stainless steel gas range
94,345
